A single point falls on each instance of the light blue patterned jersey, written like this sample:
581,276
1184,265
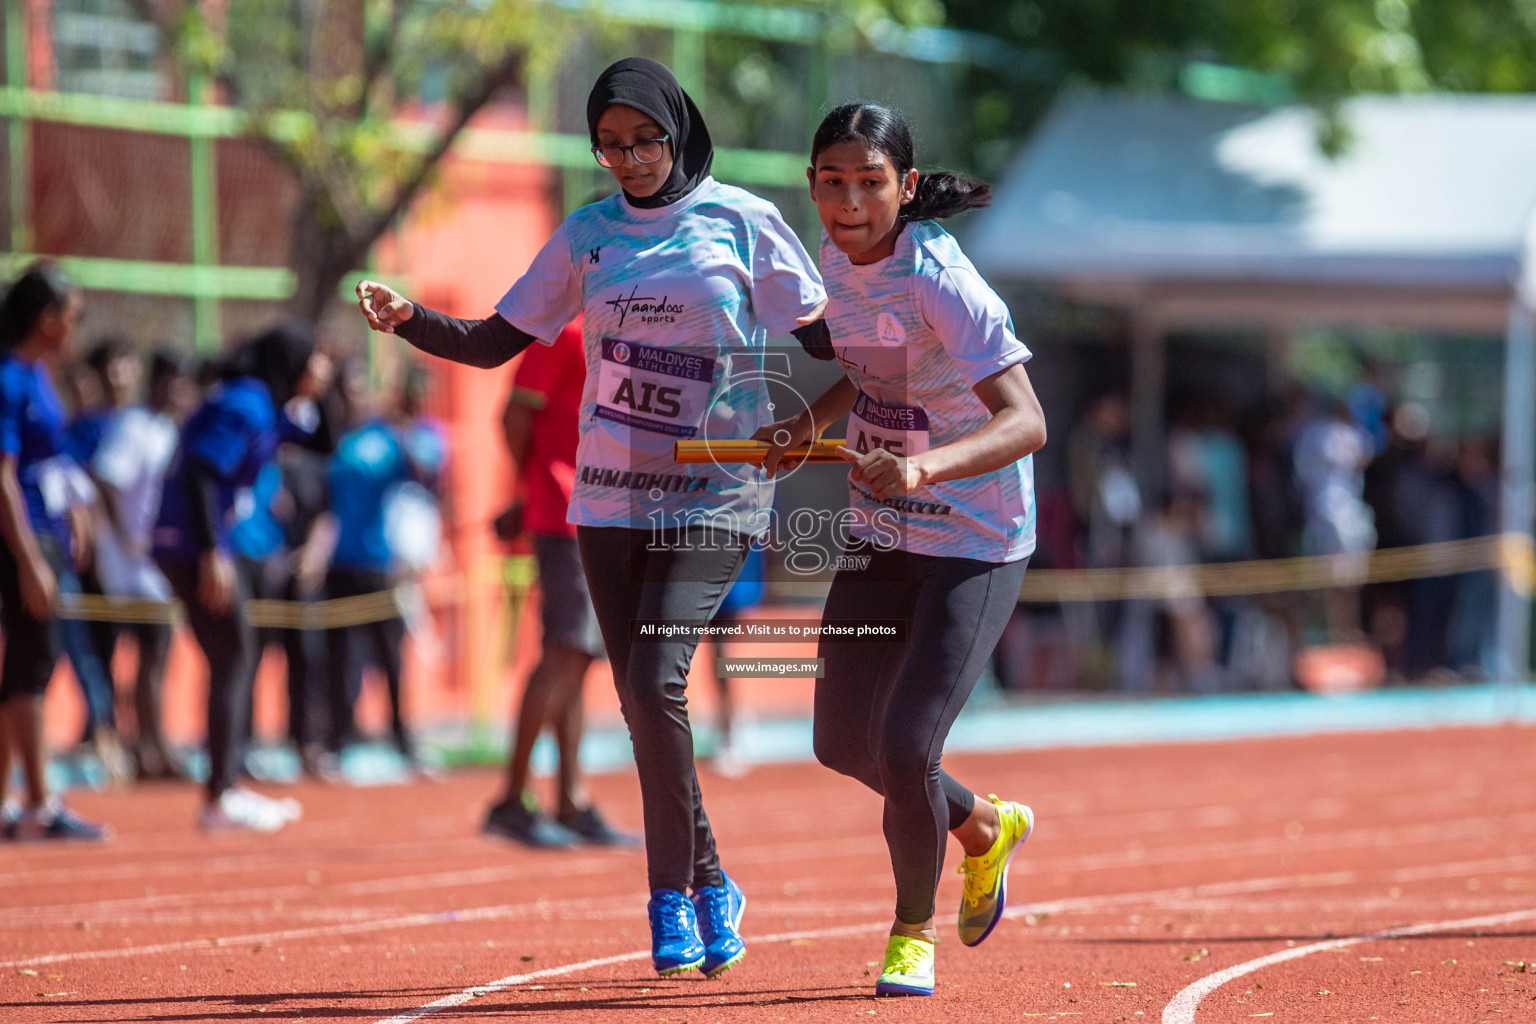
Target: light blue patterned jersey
678,304
915,333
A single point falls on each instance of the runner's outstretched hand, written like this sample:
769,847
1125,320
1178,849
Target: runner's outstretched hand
384,307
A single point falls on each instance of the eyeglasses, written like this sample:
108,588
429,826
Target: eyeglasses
646,151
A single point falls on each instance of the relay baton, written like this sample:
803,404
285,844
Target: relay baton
754,452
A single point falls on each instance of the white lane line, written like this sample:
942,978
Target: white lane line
1466,867
549,907
1181,1009
500,984
1052,906
266,895
508,910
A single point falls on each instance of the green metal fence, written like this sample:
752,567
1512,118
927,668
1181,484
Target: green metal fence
206,282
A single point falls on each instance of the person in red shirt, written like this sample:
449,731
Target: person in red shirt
540,426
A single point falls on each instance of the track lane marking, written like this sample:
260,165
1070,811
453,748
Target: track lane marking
507,910
1048,906
1181,1009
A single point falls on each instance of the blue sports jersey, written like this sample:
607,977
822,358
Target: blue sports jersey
32,430
426,442
256,533
83,435
233,434
368,461
915,333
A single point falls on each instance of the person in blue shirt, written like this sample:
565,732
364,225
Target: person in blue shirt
281,547
37,316
371,458
269,394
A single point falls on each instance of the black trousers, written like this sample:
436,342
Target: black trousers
303,648
638,574
351,648
32,646
229,644
884,709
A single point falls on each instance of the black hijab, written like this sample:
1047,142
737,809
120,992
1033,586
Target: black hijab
651,88
277,358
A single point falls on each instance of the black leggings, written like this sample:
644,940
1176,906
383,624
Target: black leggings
884,709
31,645
352,647
229,644
638,574
303,648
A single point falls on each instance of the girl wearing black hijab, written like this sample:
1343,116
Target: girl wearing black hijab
268,395
681,281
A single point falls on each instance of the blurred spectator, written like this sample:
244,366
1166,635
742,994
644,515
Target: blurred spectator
1275,501
1170,538
1206,457
37,316
281,545
370,459
106,383
129,468
1396,482
271,393
1330,459
308,539
1368,407
1472,637
1108,503
1104,488
425,436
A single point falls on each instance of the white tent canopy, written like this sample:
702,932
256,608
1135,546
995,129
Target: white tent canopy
1192,213
1431,190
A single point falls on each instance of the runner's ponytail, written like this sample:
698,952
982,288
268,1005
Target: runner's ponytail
941,194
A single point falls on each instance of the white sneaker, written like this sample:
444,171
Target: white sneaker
242,810
728,762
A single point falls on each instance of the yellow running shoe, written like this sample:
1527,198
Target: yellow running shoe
986,877
908,968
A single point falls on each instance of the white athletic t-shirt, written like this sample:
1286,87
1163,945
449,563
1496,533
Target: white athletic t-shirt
133,456
915,332
677,303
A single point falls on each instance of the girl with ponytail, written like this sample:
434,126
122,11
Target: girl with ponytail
37,316
942,421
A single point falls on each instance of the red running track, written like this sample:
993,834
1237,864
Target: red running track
1370,877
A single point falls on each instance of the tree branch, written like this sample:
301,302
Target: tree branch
376,62
465,108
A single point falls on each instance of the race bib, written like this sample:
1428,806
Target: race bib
899,429
657,389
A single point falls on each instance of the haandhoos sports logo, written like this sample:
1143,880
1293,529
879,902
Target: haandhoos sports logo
648,308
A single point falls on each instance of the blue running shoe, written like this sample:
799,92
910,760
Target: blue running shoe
719,909
675,945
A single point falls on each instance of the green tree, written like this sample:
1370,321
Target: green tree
1314,51
361,99
325,86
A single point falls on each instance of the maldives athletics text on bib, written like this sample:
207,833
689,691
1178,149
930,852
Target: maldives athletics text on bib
657,389
899,429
